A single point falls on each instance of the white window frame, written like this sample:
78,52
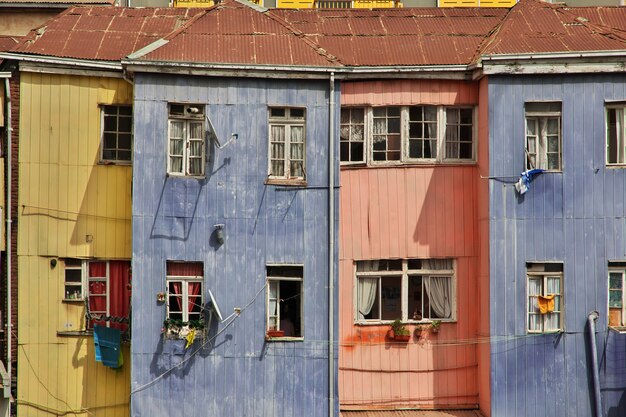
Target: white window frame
193,113
107,293
440,156
103,114
620,134
287,122
70,294
276,280
404,274
538,117
544,276
184,280
613,269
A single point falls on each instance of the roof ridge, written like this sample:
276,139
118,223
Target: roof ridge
492,36
304,37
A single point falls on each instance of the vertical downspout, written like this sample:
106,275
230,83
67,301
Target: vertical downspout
9,165
591,320
331,248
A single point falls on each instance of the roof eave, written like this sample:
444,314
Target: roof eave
290,71
53,60
554,62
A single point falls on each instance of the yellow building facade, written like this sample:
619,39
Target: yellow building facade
73,207
306,4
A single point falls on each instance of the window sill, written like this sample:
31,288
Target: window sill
116,163
287,182
548,332
616,166
77,333
284,339
408,322
618,329
408,164
73,300
183,176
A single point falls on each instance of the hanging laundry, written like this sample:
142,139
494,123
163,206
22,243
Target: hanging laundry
108,346
546,304
191,336
523,184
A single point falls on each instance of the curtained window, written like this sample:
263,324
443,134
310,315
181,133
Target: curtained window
109,293
185,298
616,134
409,289
385,135
186,145
287,143
543,136
545,297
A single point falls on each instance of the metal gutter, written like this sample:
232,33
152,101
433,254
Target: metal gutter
83,63
555,55
331,248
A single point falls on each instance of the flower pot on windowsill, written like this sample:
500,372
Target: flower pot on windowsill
275,333
402,337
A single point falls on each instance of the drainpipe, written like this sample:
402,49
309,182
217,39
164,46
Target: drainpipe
591,321
331,248
8,375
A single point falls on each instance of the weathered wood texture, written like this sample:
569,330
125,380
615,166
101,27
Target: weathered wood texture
409,212
238,373
65,195
576,217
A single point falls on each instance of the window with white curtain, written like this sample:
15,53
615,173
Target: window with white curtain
287,143
545,297
186,145
543,136
616,134
405,289
407,134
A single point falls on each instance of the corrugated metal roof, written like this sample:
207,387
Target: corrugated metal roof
102,33
22,3
234,33
534,26
8,42
411,413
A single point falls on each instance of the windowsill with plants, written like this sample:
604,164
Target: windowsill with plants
178,329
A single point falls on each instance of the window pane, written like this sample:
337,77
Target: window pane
615,298
615,280
391,299
415,300
367,298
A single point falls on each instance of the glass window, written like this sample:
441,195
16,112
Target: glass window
117,134
616,135
287,143
186,140
284,301
543,136
545,297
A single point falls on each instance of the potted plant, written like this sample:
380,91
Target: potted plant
435,326
421,330
274,332
178,329
399,332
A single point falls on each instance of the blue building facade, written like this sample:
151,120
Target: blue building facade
231,201
557,243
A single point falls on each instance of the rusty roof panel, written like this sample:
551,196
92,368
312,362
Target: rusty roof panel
102,33
93,23
80,44
534,26
8,42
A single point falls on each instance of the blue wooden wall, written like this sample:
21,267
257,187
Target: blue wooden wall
173,219
577,217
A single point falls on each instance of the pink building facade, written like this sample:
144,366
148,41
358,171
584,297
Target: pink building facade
410,246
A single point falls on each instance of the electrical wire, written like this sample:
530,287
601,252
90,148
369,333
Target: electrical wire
207,341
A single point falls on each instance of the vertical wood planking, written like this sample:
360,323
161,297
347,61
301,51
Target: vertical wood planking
62,189
571,217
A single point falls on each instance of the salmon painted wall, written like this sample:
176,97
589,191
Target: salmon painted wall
65,195
409,211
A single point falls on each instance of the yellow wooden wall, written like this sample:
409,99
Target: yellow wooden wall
65,195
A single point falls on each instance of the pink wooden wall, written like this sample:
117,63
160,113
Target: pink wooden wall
410,212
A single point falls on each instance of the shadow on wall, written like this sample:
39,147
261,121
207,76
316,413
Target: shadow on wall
613,374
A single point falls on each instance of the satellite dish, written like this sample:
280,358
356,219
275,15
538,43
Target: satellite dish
214,307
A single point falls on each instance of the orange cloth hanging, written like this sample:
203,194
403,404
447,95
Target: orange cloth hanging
546,304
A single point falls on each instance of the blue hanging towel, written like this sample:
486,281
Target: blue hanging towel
525,179
108,346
